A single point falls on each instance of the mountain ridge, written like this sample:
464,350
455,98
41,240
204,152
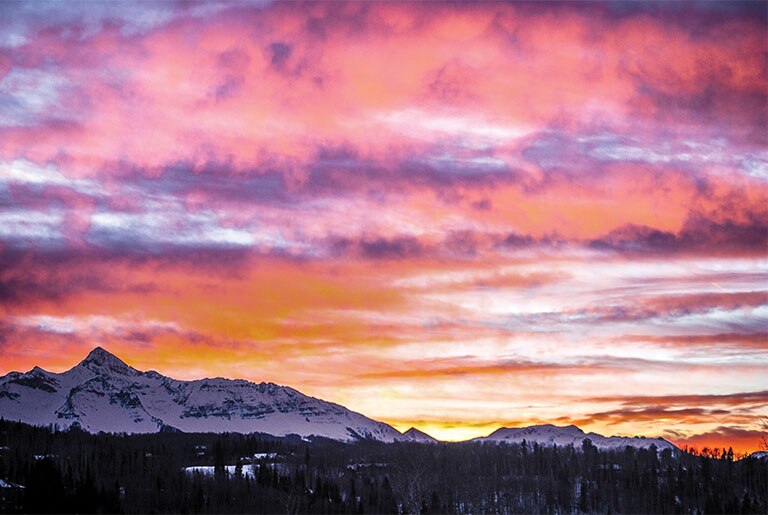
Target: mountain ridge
103,393
549,435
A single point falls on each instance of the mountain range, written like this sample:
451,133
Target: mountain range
102,393
548,434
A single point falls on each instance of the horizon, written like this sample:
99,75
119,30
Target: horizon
453,217
740,453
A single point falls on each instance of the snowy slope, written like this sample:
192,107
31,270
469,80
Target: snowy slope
104,394
414,435
569,435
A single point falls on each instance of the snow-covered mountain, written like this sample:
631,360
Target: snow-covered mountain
569,435
102,393
414,435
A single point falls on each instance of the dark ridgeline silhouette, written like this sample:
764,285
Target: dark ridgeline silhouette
74,471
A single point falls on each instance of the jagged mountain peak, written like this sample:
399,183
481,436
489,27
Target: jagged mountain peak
414,435
101,360
100,354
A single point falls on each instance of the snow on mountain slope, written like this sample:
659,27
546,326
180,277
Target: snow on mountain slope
569,435
414,435
104,394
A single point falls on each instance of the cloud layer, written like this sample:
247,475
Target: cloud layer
456,215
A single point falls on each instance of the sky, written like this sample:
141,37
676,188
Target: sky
454,216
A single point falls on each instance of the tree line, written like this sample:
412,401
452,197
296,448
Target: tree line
72,471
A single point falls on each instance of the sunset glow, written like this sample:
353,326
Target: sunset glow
449,216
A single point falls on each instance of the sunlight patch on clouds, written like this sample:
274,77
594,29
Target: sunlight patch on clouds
474,129
77,324
161,227
27,96
22,171
30,226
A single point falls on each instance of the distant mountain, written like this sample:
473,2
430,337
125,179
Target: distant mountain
550,435
414,435
102,393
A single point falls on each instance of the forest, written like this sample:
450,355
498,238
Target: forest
47,470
